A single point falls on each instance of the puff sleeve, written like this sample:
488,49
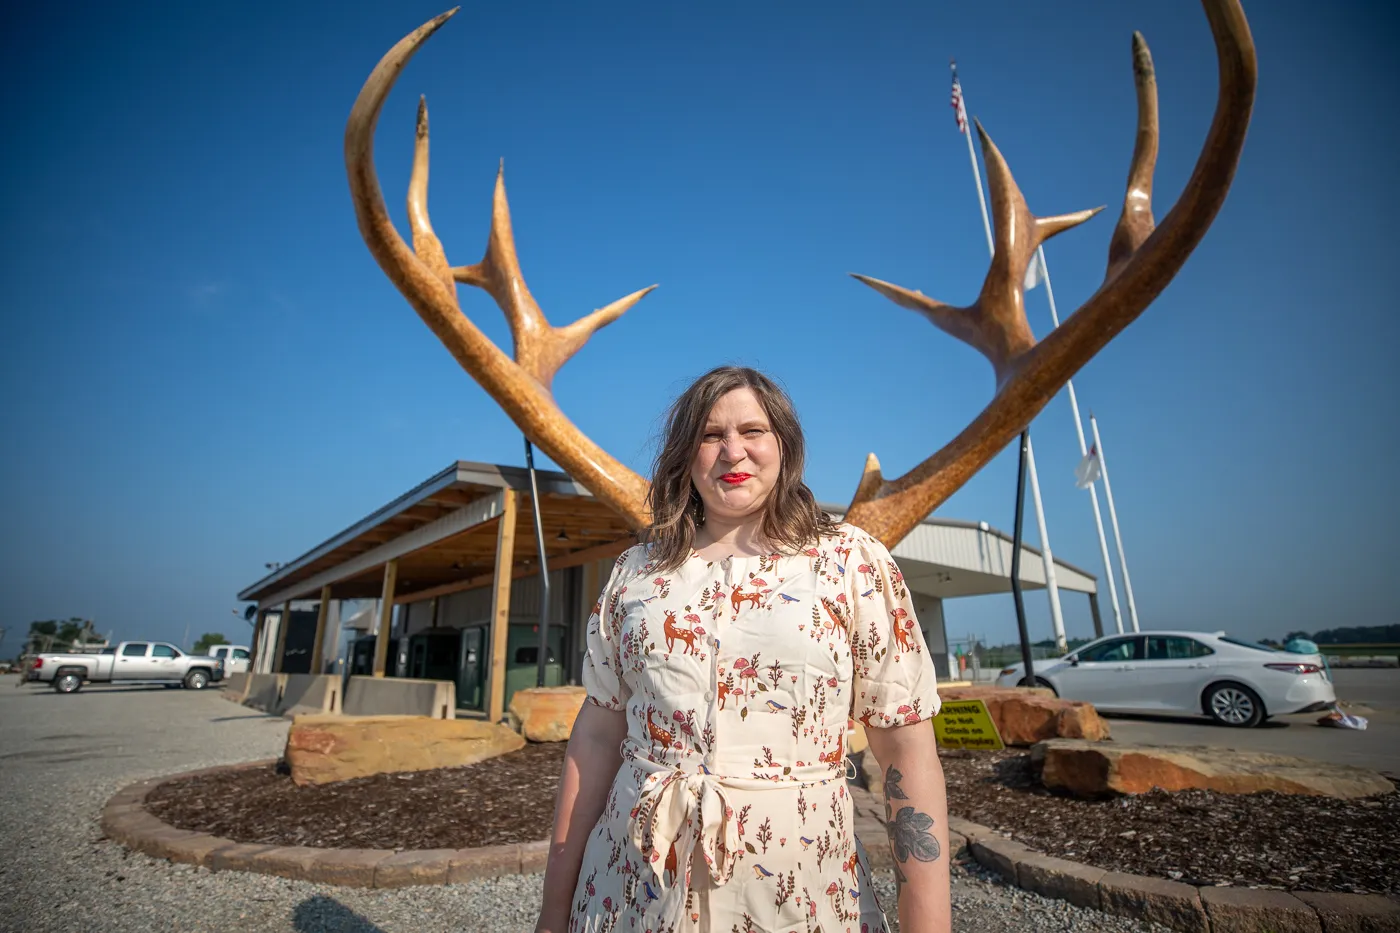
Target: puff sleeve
602,666
893,675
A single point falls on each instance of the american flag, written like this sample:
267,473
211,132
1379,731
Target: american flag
956,100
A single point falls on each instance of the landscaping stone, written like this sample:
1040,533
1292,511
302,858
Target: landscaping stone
1090,769
326,748
1170,903
534,856
353,868
1025,715
1059,878
293,862
424,866
1245,910
999,854
1353,913
547,714
236,857
486,862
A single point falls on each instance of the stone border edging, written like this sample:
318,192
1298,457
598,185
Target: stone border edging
1173,904
125,820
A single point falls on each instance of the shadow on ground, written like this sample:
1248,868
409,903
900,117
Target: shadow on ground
1188,720
321,914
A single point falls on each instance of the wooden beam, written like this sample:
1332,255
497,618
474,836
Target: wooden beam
320,643
500,606
282,637
562,562
423,536
386,615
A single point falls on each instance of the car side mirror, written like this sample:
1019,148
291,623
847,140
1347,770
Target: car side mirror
1073,662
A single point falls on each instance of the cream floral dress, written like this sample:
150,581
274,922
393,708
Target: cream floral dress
730,811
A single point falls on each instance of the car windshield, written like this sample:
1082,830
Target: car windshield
1247,644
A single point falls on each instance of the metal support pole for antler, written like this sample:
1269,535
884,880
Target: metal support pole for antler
1029,679
544,564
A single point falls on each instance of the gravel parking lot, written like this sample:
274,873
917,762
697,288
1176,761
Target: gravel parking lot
62,757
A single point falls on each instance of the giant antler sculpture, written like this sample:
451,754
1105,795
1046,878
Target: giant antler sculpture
1141,263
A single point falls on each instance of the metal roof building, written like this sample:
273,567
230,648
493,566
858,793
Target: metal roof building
454,566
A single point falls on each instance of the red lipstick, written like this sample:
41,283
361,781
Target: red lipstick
735,479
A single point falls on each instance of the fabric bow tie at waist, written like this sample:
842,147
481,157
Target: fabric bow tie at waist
680,809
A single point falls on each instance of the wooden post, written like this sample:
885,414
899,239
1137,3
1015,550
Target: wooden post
282,637
500,606
318,646
258,632
386,615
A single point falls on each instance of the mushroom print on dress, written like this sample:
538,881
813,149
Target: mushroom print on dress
730,812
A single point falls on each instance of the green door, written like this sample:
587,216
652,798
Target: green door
473,666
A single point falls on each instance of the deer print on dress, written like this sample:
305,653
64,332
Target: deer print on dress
738,597
675,633
902,630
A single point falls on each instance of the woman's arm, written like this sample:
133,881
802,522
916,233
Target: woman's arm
916,815
590,764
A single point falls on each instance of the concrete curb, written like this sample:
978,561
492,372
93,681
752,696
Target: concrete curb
1175,905
125,820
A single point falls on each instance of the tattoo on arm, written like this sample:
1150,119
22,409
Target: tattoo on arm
909,829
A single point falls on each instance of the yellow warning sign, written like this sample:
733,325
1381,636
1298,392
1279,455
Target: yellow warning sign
966,724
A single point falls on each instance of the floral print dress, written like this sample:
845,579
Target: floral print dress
730,811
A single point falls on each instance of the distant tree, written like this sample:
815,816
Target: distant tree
209,640
1365,634
49,627
1292,635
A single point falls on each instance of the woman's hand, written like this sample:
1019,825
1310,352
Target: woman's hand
590,764
916,819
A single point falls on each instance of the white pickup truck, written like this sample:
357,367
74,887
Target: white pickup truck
236,658
130,662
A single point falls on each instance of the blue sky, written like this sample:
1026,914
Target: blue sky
205,370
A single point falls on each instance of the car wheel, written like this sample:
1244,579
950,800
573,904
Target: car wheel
1039,682
1234,705
196,680
68,682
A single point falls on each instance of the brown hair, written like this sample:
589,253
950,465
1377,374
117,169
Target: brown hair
791,518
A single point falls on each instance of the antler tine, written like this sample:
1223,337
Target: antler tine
424,277
995,324
425,242
1144,261
539,348
1136,223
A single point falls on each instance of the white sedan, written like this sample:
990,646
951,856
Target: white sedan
1235,682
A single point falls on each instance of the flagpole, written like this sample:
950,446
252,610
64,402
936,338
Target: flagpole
1047,557
1113,517
1079,430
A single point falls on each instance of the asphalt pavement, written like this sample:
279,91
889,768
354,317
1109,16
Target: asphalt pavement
1371,693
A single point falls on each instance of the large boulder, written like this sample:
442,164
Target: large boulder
547,714
325,748
1027,715
1091,769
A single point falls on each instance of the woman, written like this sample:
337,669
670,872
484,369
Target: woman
704,788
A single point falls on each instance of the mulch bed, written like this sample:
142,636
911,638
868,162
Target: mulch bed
493,802
1264,840
1198,837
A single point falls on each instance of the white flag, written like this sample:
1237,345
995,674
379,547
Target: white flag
1033,273
1088,470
